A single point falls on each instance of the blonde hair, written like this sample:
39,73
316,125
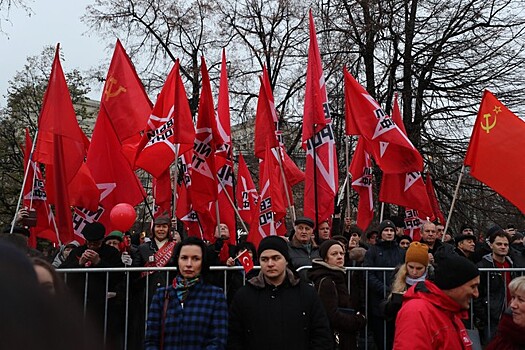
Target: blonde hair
399,285
517,285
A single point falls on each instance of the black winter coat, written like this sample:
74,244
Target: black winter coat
287,317
383,254
330,283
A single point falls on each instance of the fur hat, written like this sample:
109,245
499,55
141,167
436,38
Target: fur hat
454,271
276,243
417,252
94,231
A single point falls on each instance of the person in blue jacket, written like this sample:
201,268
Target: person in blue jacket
189,314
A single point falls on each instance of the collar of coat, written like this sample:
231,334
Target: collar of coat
259,282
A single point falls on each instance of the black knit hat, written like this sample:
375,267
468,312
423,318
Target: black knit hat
386,223
94,231
276,243
304,220
325,246
454,271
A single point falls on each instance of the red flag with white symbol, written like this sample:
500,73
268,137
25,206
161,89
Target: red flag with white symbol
391,149
405,189
224,156
247,195
361,171
321,173
169,130
61,146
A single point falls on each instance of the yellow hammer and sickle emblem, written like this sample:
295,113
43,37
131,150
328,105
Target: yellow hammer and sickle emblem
110,92
487,126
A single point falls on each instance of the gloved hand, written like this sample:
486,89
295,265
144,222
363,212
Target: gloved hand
218,244
126,259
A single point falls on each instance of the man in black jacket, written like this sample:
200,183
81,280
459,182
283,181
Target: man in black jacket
276,310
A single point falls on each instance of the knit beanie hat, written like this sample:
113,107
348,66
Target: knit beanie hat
325,246
454,271
386,223
115,235
276,243
417,252
94,231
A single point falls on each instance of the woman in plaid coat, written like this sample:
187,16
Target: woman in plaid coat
189,314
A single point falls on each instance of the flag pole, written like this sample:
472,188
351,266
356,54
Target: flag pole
26,172
232,204
453,202
315,184
175,176
290,205
347,161
382,211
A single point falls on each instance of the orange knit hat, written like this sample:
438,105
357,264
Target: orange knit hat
417,252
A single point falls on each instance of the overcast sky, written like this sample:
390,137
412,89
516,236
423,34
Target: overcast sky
52,22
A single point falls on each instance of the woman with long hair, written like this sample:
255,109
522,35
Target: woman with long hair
189,314
414,270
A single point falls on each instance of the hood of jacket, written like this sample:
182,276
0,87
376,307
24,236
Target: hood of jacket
490,259
430,292
321,269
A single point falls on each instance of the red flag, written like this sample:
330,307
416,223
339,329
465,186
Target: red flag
224,156
293,174
391,149
413,224
170,128
124,100
35,198
321,174
264,125
361,171
247,195
271,208
246,260
204,184
405,189
266,131
185,211
61,146
433,200
496,149
109,167
162,194
316,111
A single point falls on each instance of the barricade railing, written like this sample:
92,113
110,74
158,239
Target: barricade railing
131,276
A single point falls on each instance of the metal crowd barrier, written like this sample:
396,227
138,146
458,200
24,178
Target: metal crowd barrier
364,338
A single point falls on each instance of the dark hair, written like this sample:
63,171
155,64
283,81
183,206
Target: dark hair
58,283
249,246
499,233
193,241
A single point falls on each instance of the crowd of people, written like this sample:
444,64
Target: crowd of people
426,293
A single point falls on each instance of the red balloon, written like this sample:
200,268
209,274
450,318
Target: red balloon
122,216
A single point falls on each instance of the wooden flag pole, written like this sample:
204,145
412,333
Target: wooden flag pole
453,202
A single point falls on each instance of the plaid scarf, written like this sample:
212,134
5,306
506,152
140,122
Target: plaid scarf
182,286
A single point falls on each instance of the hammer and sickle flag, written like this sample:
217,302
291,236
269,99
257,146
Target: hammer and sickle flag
496,150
